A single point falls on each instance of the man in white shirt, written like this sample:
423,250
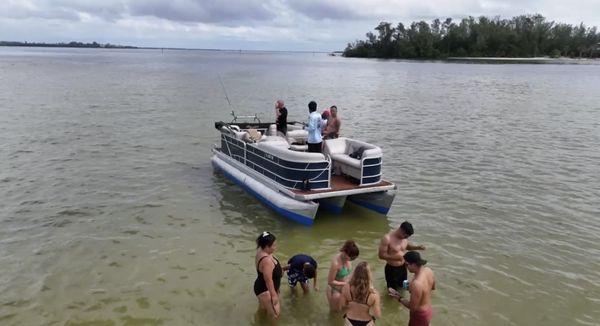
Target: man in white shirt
315,123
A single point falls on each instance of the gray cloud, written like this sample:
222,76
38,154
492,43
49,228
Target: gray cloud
196,11
204,11
319,10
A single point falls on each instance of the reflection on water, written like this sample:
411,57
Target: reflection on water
111,213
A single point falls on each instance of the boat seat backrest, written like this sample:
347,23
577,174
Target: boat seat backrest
297,136
272,131
348,146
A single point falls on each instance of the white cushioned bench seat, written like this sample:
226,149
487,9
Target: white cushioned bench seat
343,158
340,149
299,136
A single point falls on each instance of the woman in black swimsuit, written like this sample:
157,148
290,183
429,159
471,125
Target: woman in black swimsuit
362,299
269,273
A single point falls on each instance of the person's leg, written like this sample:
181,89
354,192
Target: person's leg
333,299
393,278
305,287
266,303
336,300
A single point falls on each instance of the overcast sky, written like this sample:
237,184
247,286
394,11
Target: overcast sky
309,25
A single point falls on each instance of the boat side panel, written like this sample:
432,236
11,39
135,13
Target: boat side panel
303,216
286,173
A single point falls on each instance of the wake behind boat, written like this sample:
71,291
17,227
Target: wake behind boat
279,171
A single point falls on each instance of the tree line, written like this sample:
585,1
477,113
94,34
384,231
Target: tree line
520,36
66,45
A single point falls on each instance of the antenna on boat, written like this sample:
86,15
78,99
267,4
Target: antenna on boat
224,91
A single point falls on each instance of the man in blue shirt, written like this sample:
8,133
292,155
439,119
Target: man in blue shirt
315,123
301,268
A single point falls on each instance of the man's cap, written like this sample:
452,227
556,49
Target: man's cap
413,257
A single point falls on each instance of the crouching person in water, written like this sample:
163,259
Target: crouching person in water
362,299
339,273
269,273
301,268
420,288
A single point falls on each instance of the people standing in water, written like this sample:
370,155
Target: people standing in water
392,248
315,123
339,271
420,287
362,299
334,123
269,273
281,114
301,268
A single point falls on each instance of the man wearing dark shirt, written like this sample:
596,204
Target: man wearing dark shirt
281,114
301,268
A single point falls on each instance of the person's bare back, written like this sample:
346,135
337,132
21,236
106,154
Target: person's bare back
422,286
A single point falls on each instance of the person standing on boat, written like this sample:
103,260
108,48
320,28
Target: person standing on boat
392,248
315,123
301,268
281,114
269,273
420,287
339,273
334,123
362,299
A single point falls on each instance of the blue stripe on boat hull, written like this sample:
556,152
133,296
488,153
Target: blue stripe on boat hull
305,220
379,202
371,206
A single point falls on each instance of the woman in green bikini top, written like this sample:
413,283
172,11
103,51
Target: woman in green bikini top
340,270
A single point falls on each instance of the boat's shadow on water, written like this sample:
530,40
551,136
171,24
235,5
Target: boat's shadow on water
240,208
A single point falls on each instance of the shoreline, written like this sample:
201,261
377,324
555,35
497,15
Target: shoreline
538,60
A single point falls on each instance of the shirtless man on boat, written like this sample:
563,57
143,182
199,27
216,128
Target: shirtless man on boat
392,248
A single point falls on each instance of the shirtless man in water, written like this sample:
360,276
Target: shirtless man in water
420,288
392,248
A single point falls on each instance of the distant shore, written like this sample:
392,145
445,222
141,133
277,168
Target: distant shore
67,45
563,60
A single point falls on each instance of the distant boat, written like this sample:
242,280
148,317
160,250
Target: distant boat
281,173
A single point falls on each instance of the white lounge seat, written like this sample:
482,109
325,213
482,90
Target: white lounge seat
339,150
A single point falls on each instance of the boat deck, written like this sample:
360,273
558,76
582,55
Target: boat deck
342,185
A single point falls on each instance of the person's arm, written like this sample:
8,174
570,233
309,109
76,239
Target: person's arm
415,297
376,308
331,276
345,297
383,248
286,267
266,269
411,246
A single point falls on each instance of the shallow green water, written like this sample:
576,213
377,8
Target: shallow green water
112,215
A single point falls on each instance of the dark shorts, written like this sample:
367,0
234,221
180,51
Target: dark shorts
395,276
295,277
315,148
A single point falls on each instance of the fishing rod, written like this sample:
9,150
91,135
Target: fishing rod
224,90
235,117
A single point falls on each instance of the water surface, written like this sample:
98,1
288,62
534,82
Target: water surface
111,214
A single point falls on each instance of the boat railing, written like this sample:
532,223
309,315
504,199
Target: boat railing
236,117
239,150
